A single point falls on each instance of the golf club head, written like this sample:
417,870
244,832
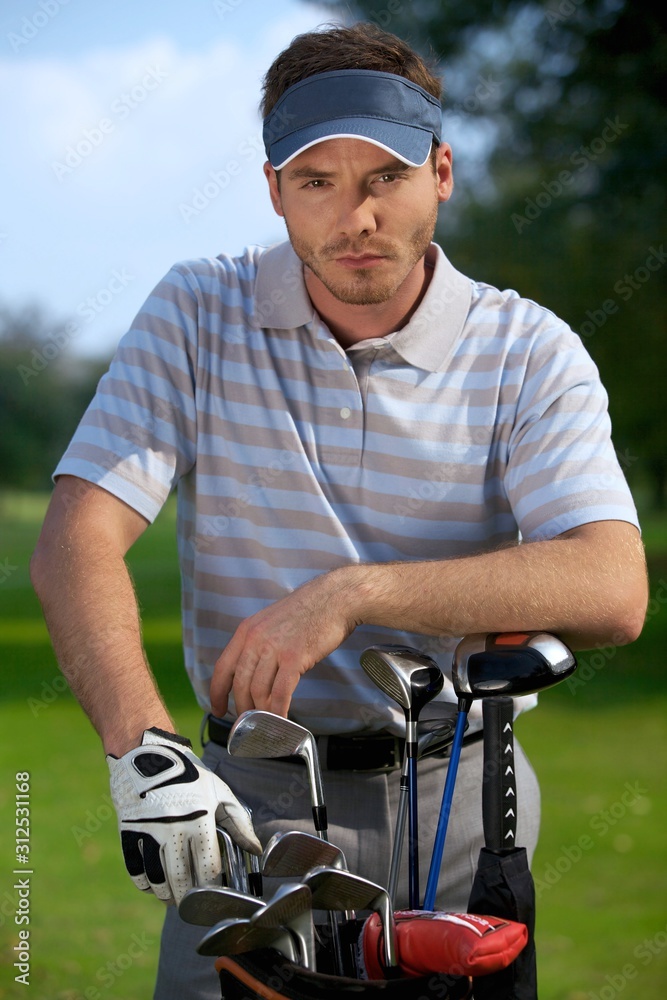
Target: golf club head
291,907
292,853
509,663
260,734
405,675
411,679
235,937
333,889
206,905
435,736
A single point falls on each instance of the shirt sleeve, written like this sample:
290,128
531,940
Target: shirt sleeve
138,435
562,469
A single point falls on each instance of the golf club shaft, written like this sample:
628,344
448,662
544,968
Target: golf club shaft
322,830
413,868
446,806
399,833
429,742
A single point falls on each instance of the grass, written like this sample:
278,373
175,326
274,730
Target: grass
598,747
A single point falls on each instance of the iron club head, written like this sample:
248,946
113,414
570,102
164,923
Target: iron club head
206,905
333,889
291,906
292,853
261,734
235,937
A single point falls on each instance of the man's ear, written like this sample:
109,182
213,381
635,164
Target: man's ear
274,188
444,172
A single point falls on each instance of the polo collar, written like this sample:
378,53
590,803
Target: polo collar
281,299
426,341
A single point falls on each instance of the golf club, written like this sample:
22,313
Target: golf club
292,853
430,741
493,663
241,868
234,937
333,889
250,862
411,679
260,734
230,860
206,905
264,735
292,907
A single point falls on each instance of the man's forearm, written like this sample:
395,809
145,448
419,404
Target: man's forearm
91,612
588,587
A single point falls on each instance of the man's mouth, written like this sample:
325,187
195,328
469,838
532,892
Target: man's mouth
360,260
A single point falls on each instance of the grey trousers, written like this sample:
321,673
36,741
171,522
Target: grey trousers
361,808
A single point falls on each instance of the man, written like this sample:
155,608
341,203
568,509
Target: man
368,446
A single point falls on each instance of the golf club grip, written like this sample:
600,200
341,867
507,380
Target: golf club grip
499,780
256,884
320,820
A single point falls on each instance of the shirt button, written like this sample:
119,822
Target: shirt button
346,413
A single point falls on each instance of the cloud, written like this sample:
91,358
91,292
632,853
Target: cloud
104,148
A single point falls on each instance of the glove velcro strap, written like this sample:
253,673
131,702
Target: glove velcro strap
172,737
157,767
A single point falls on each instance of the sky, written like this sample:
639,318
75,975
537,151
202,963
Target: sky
130,140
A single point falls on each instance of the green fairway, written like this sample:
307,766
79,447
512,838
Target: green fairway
597,744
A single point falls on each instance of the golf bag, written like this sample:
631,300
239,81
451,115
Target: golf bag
266,975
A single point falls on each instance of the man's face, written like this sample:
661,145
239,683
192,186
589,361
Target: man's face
358,218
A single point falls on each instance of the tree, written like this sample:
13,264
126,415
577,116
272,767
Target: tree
43,393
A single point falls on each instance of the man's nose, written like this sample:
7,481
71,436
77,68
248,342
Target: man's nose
357,216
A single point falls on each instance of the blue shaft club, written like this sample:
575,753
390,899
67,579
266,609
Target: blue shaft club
446,805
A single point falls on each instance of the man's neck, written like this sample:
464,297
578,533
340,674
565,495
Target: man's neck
350,324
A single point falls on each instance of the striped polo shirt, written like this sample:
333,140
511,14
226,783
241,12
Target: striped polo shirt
480,422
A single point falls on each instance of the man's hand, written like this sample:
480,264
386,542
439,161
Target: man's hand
270,651
168,804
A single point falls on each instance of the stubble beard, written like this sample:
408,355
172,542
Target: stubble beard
366,286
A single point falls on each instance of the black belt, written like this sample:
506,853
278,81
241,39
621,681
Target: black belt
380,752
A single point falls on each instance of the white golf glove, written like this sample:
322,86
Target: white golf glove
168,804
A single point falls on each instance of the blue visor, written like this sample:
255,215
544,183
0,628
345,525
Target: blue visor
382,108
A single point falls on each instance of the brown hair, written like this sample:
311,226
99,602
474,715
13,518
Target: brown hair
332,47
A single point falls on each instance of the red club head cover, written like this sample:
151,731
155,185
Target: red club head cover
462,944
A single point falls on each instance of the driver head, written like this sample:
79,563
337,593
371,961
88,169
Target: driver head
510,663
408,677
